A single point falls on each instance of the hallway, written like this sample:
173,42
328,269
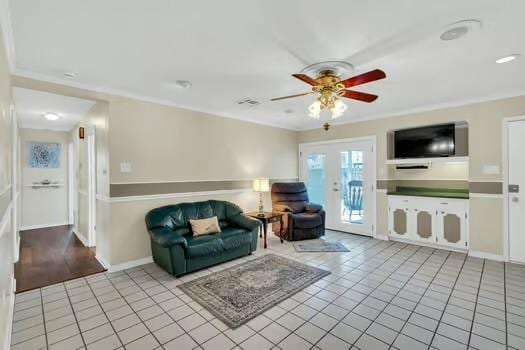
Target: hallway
52,255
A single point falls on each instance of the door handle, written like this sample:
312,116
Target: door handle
336,190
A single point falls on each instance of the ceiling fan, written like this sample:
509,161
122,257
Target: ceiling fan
330,88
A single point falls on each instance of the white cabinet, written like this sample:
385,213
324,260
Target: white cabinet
436,221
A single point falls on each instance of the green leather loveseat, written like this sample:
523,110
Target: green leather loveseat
174,247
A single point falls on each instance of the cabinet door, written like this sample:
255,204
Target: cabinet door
451,224
424,222
399,218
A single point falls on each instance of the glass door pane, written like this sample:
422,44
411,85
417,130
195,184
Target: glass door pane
316,175
352,185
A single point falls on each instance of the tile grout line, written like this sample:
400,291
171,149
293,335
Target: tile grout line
505,303
320,311
75,315
419,301
404,285
104,311
360,302
187,333
476,303
43,316
448,299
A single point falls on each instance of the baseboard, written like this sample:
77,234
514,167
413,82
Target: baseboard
427,244
102,261
34,227
382,237
81,238
126,265
483,255
10,314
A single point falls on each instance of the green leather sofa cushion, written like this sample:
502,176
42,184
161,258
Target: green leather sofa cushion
235,237
204,246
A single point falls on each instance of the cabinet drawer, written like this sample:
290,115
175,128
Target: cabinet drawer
451,206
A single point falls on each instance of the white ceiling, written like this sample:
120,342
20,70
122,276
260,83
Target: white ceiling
233,49
31,106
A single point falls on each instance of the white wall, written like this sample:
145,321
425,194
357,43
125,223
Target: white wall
45,206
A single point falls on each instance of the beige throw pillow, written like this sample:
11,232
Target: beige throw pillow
205,226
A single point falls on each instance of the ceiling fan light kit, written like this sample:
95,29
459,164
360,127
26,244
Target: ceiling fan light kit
330,88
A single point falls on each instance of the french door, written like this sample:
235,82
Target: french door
341,176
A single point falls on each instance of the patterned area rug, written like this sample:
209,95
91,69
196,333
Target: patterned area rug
319,245
240,293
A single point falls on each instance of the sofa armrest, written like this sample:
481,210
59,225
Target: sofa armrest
282,208
245,221
313,208
166,238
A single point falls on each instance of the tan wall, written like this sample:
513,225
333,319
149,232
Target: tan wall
165,144
47,206
127,222
486,222
485,148
6,232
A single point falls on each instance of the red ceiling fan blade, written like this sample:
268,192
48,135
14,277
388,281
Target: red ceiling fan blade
306,79
360,96
291,96
364,78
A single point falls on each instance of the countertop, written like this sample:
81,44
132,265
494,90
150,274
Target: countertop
430,192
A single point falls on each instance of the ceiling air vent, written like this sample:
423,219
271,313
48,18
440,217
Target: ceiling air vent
248,102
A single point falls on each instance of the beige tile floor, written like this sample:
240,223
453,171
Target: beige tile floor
380,295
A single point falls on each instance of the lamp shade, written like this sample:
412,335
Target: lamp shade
261,184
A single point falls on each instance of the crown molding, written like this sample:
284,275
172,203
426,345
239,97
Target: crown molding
429,108
111,93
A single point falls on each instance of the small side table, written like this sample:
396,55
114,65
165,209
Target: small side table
268,218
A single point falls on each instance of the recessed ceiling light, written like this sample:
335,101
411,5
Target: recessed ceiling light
508,58
183,84
69,75
51,116
459,29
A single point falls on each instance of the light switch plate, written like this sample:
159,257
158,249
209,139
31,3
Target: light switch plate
491,169
125,167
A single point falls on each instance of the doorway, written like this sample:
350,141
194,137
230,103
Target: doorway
514,188
341,176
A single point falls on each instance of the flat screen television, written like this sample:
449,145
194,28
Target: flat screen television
425,142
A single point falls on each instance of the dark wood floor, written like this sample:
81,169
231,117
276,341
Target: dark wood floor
52,255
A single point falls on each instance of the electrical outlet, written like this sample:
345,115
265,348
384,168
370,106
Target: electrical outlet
125,167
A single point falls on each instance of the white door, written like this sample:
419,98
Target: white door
515,198
353,187
92,189
341,177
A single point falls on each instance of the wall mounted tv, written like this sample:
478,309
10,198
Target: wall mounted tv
425,142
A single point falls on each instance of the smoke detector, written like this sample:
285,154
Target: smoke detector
459,29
